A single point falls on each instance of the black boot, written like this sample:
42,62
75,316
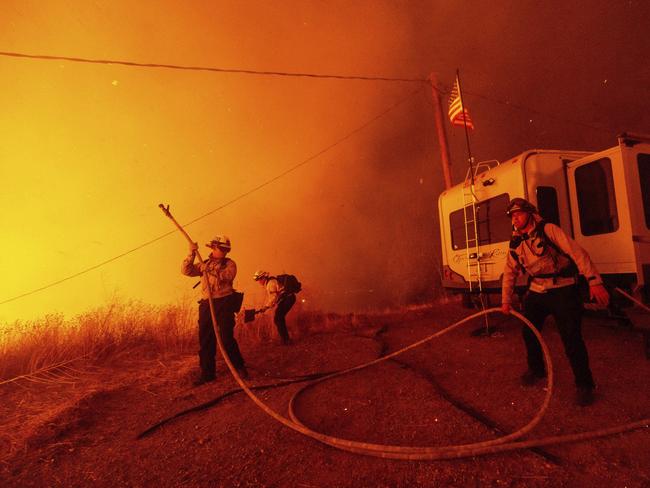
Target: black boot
203,379
585,396
242,372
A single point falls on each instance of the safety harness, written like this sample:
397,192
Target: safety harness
570,270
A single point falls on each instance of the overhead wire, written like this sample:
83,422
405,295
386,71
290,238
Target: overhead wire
135,64
522,108
209,68
248,72
228,203
538,112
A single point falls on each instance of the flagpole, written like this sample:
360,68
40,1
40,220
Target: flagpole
470,159
471,171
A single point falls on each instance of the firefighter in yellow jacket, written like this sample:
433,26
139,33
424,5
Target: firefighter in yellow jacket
220,272
552,260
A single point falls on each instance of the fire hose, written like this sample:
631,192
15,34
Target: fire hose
504,443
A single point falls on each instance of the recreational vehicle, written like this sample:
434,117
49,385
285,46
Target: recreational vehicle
601,199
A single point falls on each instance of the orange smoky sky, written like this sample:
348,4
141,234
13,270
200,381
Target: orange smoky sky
88,151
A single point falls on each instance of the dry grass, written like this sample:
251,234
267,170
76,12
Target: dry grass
133,329
128,329
108,332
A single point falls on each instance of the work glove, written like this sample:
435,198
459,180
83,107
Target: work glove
599,294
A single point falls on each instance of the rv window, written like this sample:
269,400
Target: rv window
644,179
596,198
491,219
547,204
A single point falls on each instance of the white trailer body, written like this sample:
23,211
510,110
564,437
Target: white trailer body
601,199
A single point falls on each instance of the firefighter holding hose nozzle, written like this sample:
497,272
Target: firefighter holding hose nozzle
220,271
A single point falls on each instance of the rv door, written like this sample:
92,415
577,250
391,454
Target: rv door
600,212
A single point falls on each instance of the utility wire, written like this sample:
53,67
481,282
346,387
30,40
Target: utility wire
538,112
521,108
289,74
86,270
313,156
209,68
260,73
230,202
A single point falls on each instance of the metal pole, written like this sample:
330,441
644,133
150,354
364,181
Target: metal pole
470,159
440,129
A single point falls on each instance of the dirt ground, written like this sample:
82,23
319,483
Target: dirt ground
462,387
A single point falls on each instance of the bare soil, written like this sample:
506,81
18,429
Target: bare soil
456,389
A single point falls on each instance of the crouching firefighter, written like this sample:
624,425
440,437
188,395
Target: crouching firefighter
552,260
281,293
220,272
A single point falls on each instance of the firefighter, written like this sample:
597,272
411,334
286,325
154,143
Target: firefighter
221,272
281,298
552,260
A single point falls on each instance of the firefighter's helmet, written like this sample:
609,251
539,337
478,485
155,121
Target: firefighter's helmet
520,205
222,242
259,275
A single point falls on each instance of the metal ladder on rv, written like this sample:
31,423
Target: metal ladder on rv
472,245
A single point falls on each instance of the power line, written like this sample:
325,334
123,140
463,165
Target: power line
259,73
86,270
538,112
209,68
288,74
230,202
521,108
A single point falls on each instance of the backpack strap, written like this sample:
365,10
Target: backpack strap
283,293
569,271
516,258
539,229
515,242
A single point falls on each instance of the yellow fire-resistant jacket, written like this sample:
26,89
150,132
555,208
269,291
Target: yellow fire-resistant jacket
545,260
221,273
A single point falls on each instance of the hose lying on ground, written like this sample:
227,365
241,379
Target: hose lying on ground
226,394
500,444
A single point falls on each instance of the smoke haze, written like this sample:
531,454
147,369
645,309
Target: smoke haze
88,151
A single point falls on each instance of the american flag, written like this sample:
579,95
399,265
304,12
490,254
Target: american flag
458,113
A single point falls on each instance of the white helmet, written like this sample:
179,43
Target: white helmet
220,241
259,275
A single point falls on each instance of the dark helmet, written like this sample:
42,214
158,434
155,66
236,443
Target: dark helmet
520,205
